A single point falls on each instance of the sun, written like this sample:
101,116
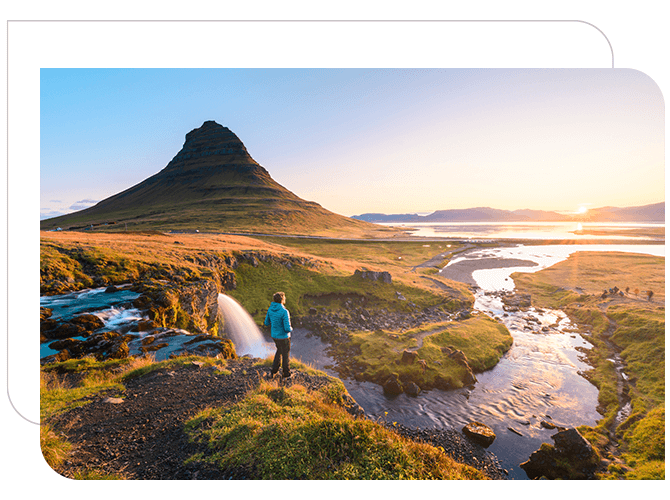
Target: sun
582,210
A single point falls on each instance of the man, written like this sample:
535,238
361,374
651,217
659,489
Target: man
279,321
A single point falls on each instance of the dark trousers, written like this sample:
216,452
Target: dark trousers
283,348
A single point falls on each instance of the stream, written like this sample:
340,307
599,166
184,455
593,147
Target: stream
537,382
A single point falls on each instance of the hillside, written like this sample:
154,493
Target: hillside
212,184
646,213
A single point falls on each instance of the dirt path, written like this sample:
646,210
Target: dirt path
142,437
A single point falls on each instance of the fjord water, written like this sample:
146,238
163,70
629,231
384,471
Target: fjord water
546,231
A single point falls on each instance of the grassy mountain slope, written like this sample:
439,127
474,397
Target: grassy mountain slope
212,184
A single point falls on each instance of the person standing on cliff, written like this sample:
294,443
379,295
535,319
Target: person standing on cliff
279,321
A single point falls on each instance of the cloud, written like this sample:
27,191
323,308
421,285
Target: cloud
82,204
47,213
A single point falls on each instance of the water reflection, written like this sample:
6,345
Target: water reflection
560,231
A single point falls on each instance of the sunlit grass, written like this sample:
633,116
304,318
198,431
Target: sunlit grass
635,324
282,432
482,340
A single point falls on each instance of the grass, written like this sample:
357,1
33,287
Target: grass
326,281
631,325
304,289
276,432
80,260
396,254
482,340
291,433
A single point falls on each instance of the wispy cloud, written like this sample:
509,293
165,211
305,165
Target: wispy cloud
82,204
48,213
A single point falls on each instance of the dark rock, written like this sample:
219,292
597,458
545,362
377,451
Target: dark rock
90,322
408,357
68,343
65,330
571,457
48,324
392,386
142,302
547,425
45,313
383,276
463,315
111,289
480,433
515,301
412,389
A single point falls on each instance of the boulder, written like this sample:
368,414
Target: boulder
408,357
481,433
90,322
70,344
392,386
571,457
516,301
66,330
412,389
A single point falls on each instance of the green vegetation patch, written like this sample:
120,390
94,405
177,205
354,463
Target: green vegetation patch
481,339
304,288
377,253
630,325
291,433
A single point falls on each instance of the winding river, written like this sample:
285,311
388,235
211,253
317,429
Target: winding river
537,382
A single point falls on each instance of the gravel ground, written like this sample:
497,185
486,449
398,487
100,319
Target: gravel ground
138,433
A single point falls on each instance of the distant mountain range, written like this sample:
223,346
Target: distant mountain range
646,213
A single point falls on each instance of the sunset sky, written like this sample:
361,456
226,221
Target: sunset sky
357,140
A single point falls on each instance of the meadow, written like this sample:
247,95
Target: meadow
630,324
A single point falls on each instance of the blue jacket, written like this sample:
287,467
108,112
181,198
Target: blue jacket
279,321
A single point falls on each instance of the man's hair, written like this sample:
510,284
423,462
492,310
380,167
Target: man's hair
279,297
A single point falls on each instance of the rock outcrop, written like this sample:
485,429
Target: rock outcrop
481,433
383,276
571,457
82,325
392,386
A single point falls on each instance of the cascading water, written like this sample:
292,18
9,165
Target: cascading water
242,329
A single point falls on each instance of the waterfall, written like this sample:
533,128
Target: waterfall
240,327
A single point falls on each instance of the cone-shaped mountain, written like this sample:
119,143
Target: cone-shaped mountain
212,184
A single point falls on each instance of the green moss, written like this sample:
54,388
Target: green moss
482,340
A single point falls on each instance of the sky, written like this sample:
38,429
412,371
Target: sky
366,140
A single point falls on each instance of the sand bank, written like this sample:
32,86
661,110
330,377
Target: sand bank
462,270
